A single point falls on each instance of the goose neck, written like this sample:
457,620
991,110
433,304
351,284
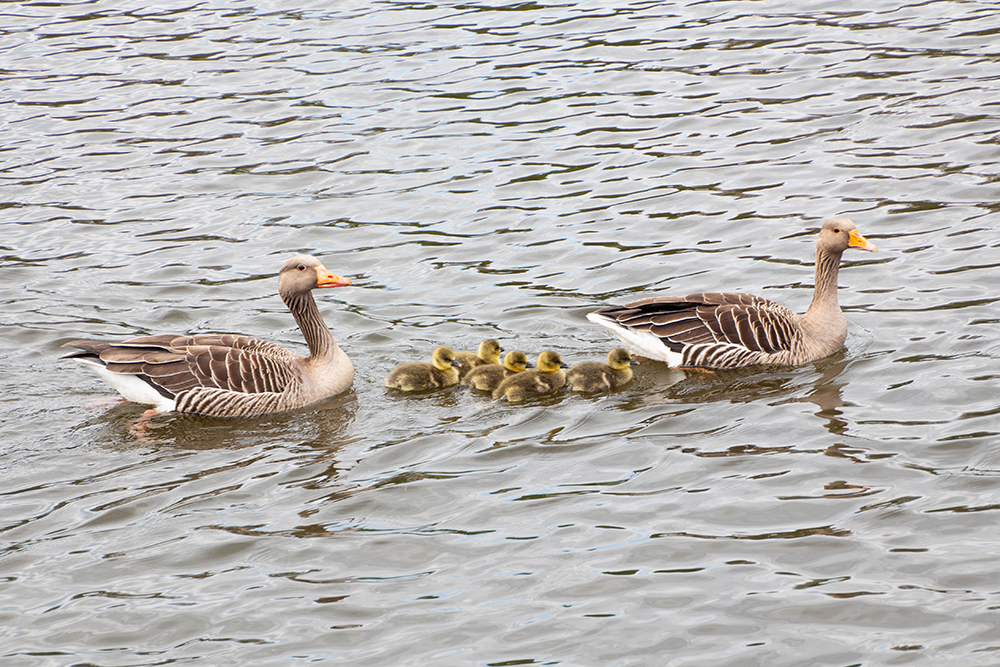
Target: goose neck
825,290
310,321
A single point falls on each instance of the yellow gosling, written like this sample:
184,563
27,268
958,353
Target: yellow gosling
418,376
545,379
488,353
594,376
489,376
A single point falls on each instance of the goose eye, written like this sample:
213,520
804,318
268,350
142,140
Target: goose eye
301,267
836,230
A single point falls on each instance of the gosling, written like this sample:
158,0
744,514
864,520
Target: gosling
441,372
545,379
488,353
592,376
489,376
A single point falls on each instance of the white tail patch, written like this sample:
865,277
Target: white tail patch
131,387
641,343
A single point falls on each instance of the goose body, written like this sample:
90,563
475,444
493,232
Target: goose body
418,376
229,375
590,376
487,354
545,378
489,376
733,330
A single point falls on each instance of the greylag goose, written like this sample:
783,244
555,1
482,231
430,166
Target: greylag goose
592,376
417,376
489,376
228,375
488,353
732,330
545,378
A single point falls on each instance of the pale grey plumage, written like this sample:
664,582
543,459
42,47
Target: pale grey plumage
229,375
733,330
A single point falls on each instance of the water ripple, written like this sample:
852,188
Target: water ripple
498,170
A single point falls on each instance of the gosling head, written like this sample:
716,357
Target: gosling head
489,351
443,358
619,359
549,362
516,361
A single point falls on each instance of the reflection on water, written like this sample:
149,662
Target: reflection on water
491,170
816,383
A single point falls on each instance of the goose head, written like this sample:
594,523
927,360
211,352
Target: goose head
839,234
303,273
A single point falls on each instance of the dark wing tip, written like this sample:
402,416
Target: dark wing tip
85,348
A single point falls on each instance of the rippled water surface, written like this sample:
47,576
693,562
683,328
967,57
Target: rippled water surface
498,170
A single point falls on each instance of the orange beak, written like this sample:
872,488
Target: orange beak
326,279
860,242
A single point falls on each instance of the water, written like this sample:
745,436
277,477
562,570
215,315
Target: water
498,170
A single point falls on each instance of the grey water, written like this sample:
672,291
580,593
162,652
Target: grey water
492,169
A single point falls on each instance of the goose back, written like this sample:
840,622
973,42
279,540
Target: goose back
711,329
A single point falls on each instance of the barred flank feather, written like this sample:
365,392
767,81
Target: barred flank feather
224,403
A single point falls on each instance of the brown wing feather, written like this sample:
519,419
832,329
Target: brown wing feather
734,318
239,363
174,364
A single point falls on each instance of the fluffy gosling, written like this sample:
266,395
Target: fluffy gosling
418,376
489,376
488,353
592,376
545,379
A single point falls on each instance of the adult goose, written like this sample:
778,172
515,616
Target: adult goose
733,330
228,375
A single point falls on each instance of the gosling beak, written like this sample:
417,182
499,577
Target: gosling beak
860,242
456,363
326,279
